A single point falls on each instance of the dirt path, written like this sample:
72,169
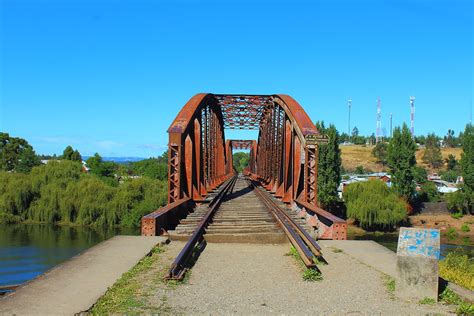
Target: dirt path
261,279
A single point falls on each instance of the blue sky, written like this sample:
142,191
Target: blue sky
109,76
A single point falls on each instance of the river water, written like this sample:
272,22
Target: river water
27,251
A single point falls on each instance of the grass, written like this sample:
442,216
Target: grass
309,274
360,155
336,250
127,294
312,275
451,233
427,301
458,268
450,298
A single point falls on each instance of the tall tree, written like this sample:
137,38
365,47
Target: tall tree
467,165
432,154
16,154
451,162
380,152
329,168
401,160
70,154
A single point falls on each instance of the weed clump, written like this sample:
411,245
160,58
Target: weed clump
458,268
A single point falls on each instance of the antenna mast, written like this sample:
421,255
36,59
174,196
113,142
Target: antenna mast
412,116
379,122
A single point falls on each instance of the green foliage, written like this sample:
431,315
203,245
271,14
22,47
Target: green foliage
153,168
122,297
457,267
380,152
420,175
449,175
59,192
390,285
432,154
465,228
401,160
359,170
101,168
312,275
16,154
449,297
467,167
70,154
241,160
329,168
451,162
427,301
429,192
459,201
374,205
451,234
465,308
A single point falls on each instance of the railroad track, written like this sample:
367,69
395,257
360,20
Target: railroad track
241,211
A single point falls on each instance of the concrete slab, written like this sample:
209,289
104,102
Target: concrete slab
417,263
75,285
368,252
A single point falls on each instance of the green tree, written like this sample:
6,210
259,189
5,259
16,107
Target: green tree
401,160
420,175
467,166
374,205
101,168
329,167
241,160
380,152
16,154
154,168
450,139
451,162
70,154
432,154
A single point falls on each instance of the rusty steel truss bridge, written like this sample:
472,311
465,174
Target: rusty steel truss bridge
282,173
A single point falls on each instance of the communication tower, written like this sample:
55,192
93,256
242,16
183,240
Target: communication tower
412,116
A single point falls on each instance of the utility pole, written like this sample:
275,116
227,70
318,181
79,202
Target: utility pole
349,105
379,121
391,125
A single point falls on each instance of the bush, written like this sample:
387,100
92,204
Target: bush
429,192
458,268
458,202
449,175
465,228
374,205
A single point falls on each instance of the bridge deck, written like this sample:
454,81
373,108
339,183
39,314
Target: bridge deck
75,285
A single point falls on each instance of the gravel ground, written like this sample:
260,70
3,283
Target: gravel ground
261,279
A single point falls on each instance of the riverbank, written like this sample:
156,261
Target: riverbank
453,231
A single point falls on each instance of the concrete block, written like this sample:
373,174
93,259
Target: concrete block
417,263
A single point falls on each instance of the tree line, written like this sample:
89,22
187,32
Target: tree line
61,191
449,140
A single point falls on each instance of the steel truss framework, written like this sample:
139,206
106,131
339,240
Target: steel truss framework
284,158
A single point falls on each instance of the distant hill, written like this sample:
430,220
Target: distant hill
359,155
119,159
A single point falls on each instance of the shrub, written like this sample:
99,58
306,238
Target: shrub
429,192
374,205
458,268
465,228
451,233
459,201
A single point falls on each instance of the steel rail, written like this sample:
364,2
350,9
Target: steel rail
178,267
301,240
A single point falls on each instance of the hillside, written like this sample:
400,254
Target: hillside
359,155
